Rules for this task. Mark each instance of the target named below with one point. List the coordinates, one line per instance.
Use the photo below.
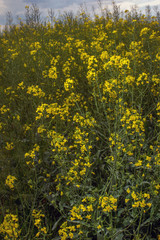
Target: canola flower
(10, 180)
(38, 223)
(9, 146)
(79, 124)
(10, 227)
(108, 203)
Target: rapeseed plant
(10, 227)
(79, 127)
(10, 181)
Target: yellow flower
(134, 196)
(10, 227)
(68, 84)
(53, 72)
(10, 181)
(88, 217)
(149, 204)
(144, 31)
(99, 226)
(90, 208)
(128, 190)
(71, 235)
(139, 163)
(9, 146)
(142, 203)
(136, 204)
(148, 165)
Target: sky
(17, 7)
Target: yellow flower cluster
(52, 110)
(84, 121)
(157, 156)
(69, 84)
(155, 83)
(10, 181)
(38, 223)
(34, 48)
(9, 146)
(81, 106)
(32, 154)
(35, 91)
(109, 88)
(67, 231)
(57, 141)
(4, 109)
(10, 227)
(139, 199)
(133, 125)
(132, 121)
(108, 203)
(117, 62)
(53, 72)
(158, 111)
(144, 31)
(79, 214)
(92, 66)
(142, 79)
(14, 53)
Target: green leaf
(119, 237)
(100, 236)
(56, 224)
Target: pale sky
(17, 7)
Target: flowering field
(79, 129)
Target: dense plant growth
(79, 128)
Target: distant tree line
(33, 16)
